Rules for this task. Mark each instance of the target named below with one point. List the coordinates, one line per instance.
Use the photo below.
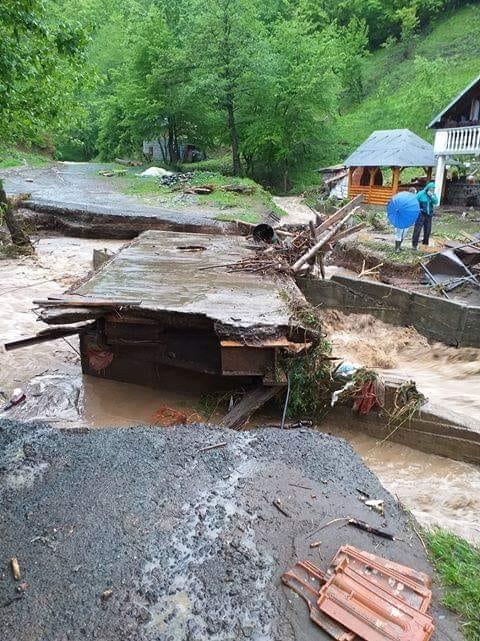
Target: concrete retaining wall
(436, 318)
(433, 429)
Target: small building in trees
(457, 133)
(375, 168)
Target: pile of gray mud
(136, 534)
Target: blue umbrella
(403, 209)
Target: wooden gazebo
(393, 149)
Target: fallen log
(239, 189)
(322, 242)
(128, 163)
(46, 335)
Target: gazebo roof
(393, 148)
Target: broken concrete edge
(438, 319)
(97, 223)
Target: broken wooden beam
(50, 334)
(348, 232)
(353, 204)
(250, 403)
(322, 242)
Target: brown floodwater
(437, 490)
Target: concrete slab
(186, 274)
(72, 197)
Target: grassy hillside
(14, 157)
(406, 85)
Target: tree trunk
(236, 164)
(171, 144)
(285, 176)
(7, 209)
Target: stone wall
(463, 195)
(436, 318)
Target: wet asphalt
(77, 189)
(137, 534)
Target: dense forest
(278, 85)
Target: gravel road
(182, 544)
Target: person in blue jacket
(427, 200)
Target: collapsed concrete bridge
(168, 303)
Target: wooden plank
(250, 403)
(354, 203)
(47, 335)
(322, 242)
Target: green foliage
(40, 62)
(13, 157)
(407, 93)
(310, 382)
(458, 564)
(221, 164)
(249, 207)
(285, 86)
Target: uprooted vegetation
(17, 242)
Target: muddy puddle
(439, 491)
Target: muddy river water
(437, 490)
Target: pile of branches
(276, 258)
(294, 252)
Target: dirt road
(297, 212)
(76, 189)
(115, 512)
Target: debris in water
(167, 417)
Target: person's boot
(414, 248)
(398, 244)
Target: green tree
(40, 60)
(292, 98)
(224, 39)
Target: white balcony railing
(458, 140)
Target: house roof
(392, 148)
(438, 117)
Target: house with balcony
(457, 132)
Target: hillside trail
(297, 213)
